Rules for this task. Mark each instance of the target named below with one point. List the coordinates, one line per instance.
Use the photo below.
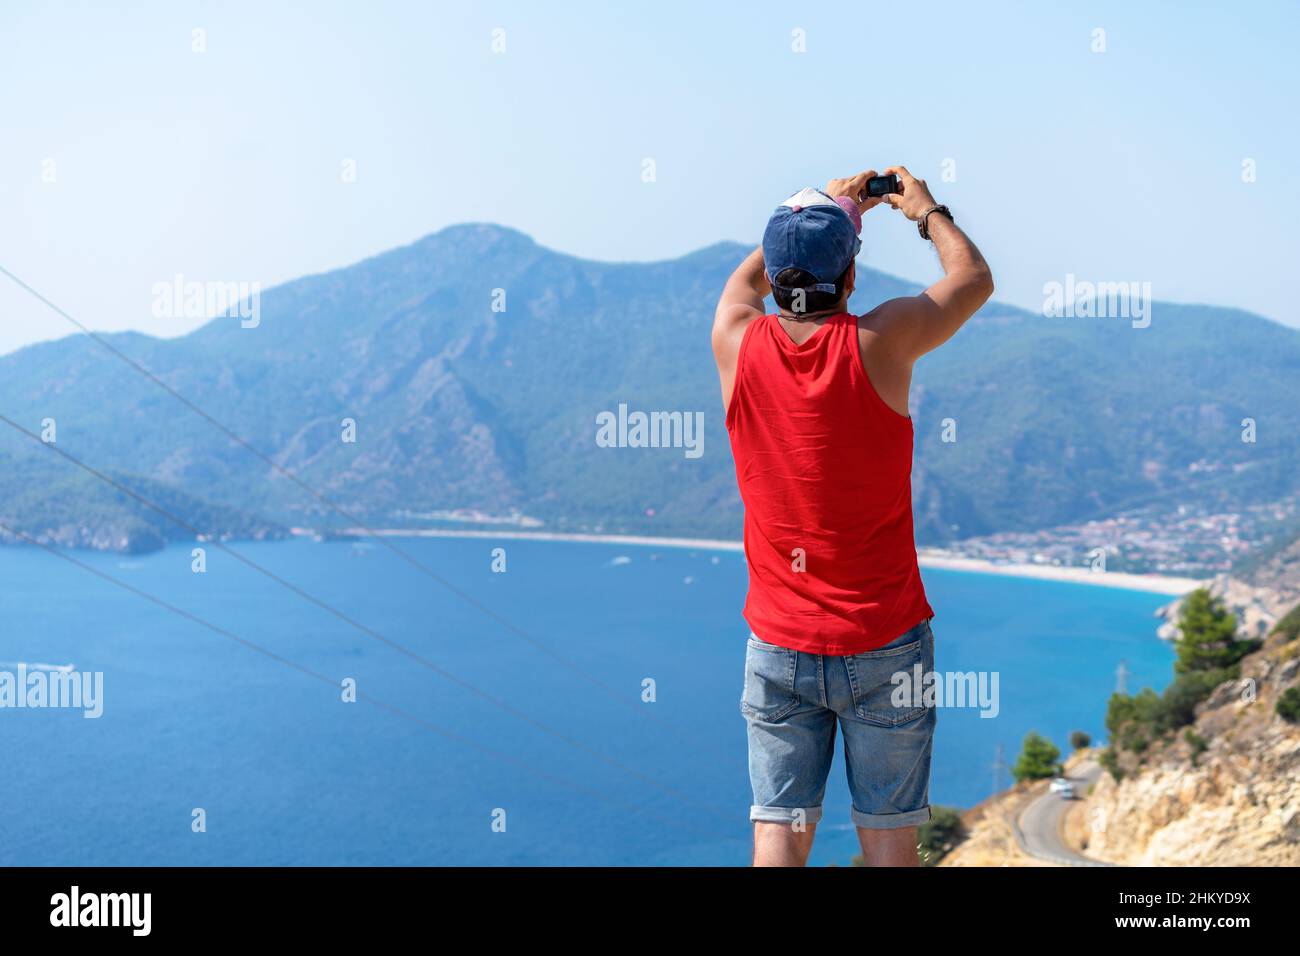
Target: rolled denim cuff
(805, 815)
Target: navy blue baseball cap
(812, 232)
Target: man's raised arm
(914, 325)
(742, 297)
(741, 303)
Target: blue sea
(545, 766)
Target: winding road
(1038, 827)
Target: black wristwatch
(920, 223)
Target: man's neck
(809, 316)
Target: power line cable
(410, 559)
(364, 629)
(334, 684)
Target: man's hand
(910, 326)
(855, 187)
(915, 199)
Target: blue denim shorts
(791, 704)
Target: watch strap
(921, 224)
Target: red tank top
(825, 472)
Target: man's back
(824, 465)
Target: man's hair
(794, 279)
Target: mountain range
(474, 364)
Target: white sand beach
(929, 558)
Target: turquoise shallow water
(288, 774)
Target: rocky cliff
(1258, 592)
(1224, 791)
(1226, 795)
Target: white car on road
(1062, 786)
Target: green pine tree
(1208, 638)
(1037, 759)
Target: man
(816, 408)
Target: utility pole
(999, 764)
